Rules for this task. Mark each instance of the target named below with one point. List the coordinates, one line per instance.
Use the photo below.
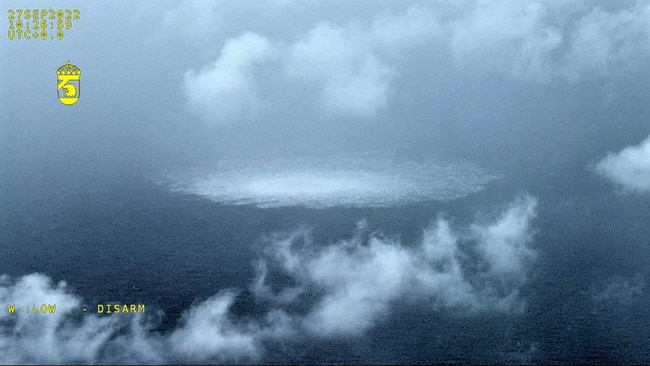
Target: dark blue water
(129, 240)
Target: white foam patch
(319, 183)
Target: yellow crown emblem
(68, 69)
(68, 78)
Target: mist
(411, 79)
(289, 176)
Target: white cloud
(358, 280)
(606, 43)
(535, 40)
(398, 32)
(344, 64)
(504, 242)
(345, 288)
(509, 36)
(348, 64)
(630, 168)
(226, 91)
(54, 338)
(208, 333)
(70, 336)
(618, 291)
(352, 79)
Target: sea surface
(131, 239)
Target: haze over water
(287, 182)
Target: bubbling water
(333, 182)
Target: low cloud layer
(360, 279)
(206, 332)
(352, 67)
(618, 291)
(344, 65)
(349, 78)
(629, 168)
(348, 287)
(225, 91)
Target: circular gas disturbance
(334, 182)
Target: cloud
(338, 289)
(54, 338)
(510, 36)
(226, 91)
(356, 281)
(630, 167)
(350, 76)
(348, 64)
(396, 32)
(618, 291)
(504, 242)
(606, 43)
(538, 41)
(207, 333)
